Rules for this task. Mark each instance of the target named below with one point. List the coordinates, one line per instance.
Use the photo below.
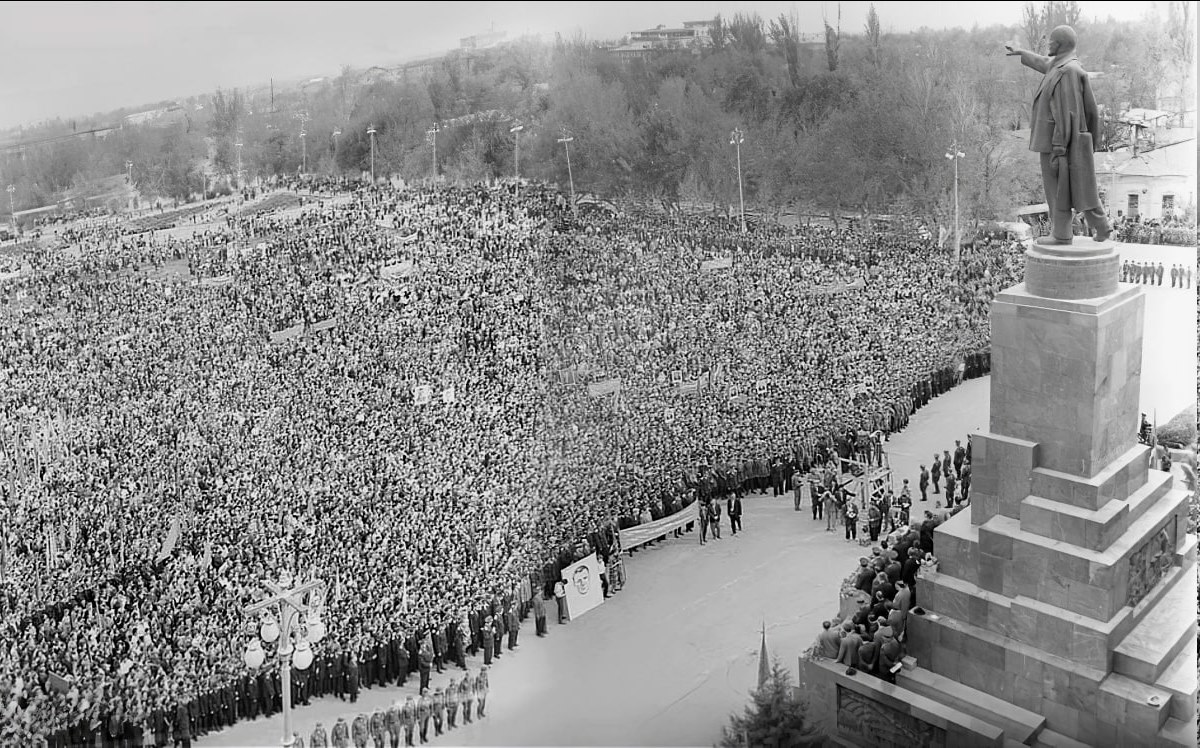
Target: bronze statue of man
(1064, 127)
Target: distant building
(633, 51)
(482, 41)
(165, 114)
(644, 44)
(703, 30)
(1153, 184)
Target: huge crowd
(388, 389)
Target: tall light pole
(238, 145)
(736, 138)
(303, 118)
(129, 171)
(516, 131)
(371, 132)
(290, 615)
(954, 155)
(336, 133)
(566, 141)
(432, 134)
(12, 205)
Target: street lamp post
(290, 615)
(954, 155)
(12, 205)
(336, 133)
(303, 153)
(566, 141)
(516, 131)
(371, 132)
(129, 171)
(238, 145)
(736, 138)
(432, 133)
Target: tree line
(857, 122)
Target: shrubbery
(1180, 431)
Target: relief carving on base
(1151, 562)
(872, 723)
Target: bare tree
(873, 33)
(746, 33)
(1033, 26)
(785, 34)
(833, 39)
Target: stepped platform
(1020, 725)
(1148, 649)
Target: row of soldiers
(381, 727)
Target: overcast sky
(63, 59)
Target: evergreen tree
(774, 718)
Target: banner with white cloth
(584, 591)
(607, 387)
(287, 333)
(632, 537)
(717, 264)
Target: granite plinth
(1066, 376)
(1084, 269)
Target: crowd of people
(1168, 230)
(873, 639)
(394, 390)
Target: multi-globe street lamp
(291, 616)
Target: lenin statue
(1064, 128)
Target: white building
(1153, 184)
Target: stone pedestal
(1067, 591)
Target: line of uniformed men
(411, 717)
